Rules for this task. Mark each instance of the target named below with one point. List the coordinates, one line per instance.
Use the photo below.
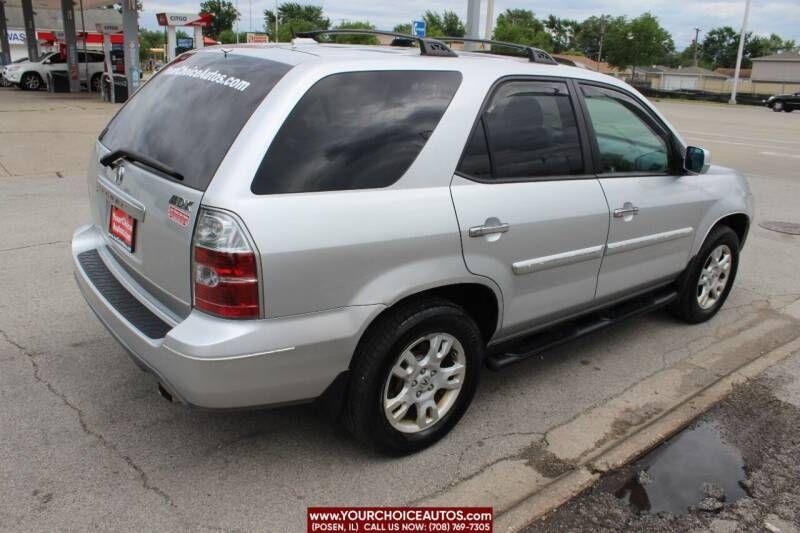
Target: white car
(32, 75)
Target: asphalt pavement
(86, 442)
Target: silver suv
(367, 226)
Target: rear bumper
(216, 363)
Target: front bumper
(216, 363)
(12, 76)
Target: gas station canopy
(56, 4)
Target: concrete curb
(522, 488)
(558, 492)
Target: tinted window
(188, 115)
(531, 131)
(627, 141)
(355, 130)
(475, 161)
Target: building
(744, 73)
(587, 63)
(689, 78)
(777, 68)
(49, 25)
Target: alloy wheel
(32, 82)
(714, 276)
(424, 382)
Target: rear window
(355, 130)
(189, 114)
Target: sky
(680, 17)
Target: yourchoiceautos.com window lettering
(213, 76)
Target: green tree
(593, 31)
(563, 33)
(403, 28)
(764, 46)
(642, 41)
(720, 47)
(293, 18)
(227, 37)
(225, 15)
(355, 39)
(446, 24)
(521, 26)
(149, 39)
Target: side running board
(507, 354)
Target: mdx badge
(178, 211)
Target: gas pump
(114, 71)
(174, 20)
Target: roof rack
(535, 55)
(427, 46)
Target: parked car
(784, 102)
(281, 224)
(3, 81)
(32, 75)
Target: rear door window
(189, 114)
(355, 130)
(528, 130)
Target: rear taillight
(225, 267)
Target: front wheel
(30, 81)
(708, 280)
(413, 376)
(777, 107)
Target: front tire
(777, 107)
(413, 376)
(31, 81)
(708, 280)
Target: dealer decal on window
(213, 76)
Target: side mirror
(698, 160)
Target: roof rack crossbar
(427, 46)
(535, 55)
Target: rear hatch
(157, 156)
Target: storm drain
(781, 227)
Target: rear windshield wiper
(112, 159)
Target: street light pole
(696, 43)
(740, 53)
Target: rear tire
(413, 376)
(94, 84)
(708, 279)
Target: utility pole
(696, 43)
(740, 53)
(473, 23)
(602, 34)
(276, 21)
(489, 19)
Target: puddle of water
(677, 469)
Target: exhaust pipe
(164, 393)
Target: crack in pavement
(24, 246)
(540, 440)
(83, 424)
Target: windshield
(188, 115)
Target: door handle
(477, 231)
(619, 213)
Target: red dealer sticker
(122, 228)
(178, 215)
(400, 519)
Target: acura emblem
(119, 175)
